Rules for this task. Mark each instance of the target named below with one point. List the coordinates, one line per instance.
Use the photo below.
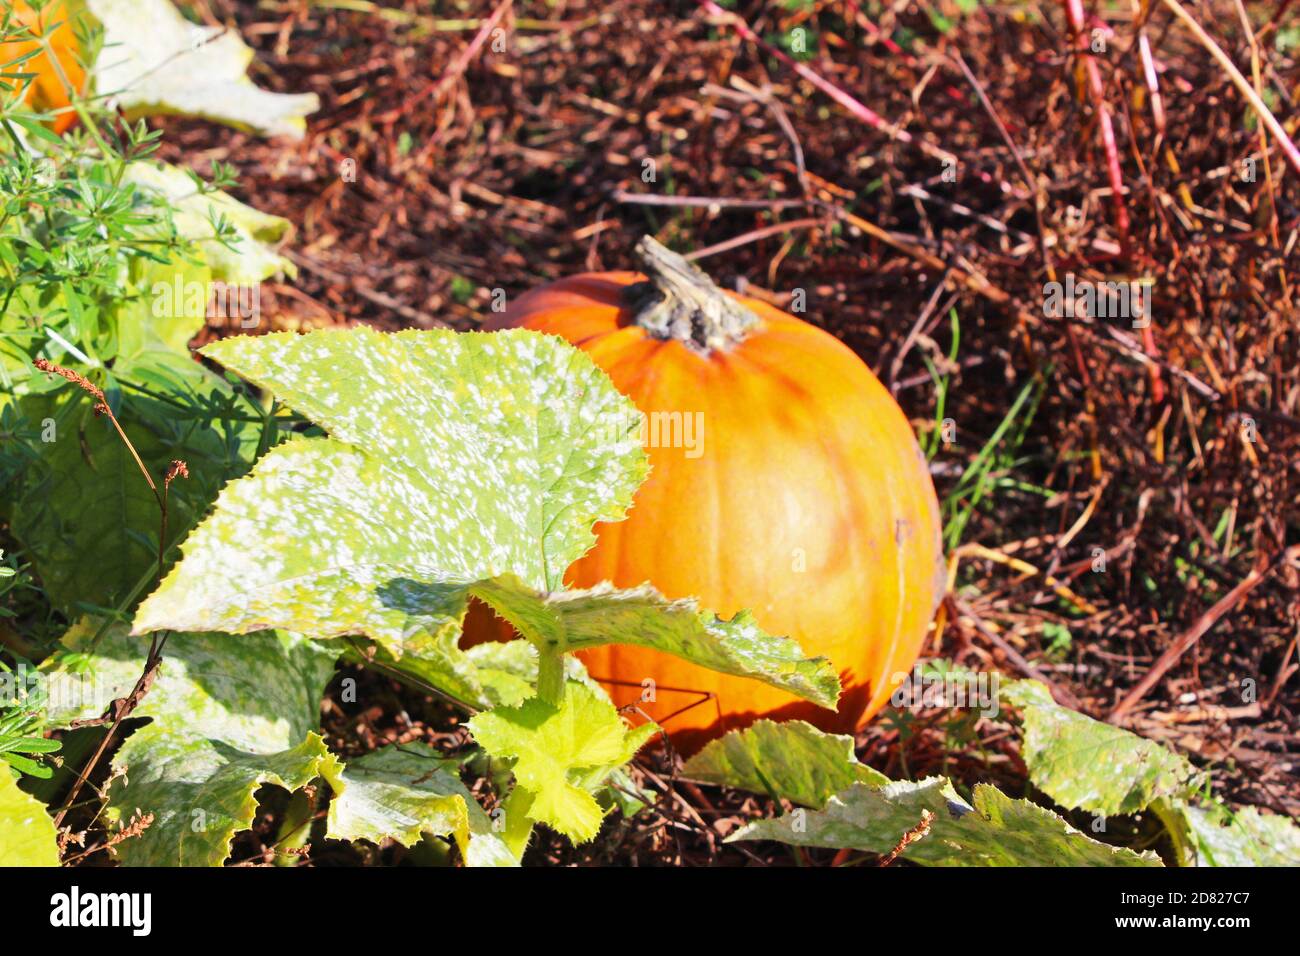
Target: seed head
(77, 379)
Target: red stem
(1074, 12)
(854, 106)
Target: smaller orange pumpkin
(49, 91)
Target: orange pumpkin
(784, 479)
(47, 92)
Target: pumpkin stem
(550, 675)
(678, 301)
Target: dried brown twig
(911, 836)
(122, 707)
(1185, 641)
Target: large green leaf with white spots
(580, 619)
(451, 459)
(791, 760)
(27, 835)
(992, 830)
(1213, 835)
(562, 754)
(226, 715)
(1085, 764)
(402, 792)
(456, 465)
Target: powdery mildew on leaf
(403, 791)
(227, 715)
(995, 831)
(1086, 764)
(201, 792)
(791, 760)
(453, 458)
(1214, 837)
(578, 619)
(456, 464)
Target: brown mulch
(1158, 472)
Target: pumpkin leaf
(403, 791)
(579, 619)
(200, 793)
(479, 677)
(993, 830)
(437, 659)
(452, 458)
(227, 715)
(791, 760)
(555, 748)
(149, 321)
(1086, 764)
(457, 464)
(1213, 835)
(155, 62)
(508, 671)
(27, 834)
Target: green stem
(518, 825)
(295, 828)
(550, 676)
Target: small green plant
(22, 722)
(933, 438)
(993, 468)
(1059, 640)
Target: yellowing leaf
(27, 835)
(154, 61)
(993, 830)
(1213, 835)
(553, 748)
(1086, 764)
(227, 714)
(255, 233)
